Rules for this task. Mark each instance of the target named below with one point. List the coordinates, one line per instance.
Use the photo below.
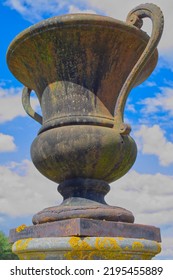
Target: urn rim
(74, 20)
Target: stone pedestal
(86, 248)
(86, 239)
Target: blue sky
(147, 190)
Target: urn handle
(27, 105)
(135, 17)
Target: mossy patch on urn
(83, 151)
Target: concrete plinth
(86, 248)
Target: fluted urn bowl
(77, 65)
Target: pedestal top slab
(86, 227)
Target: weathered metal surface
(87, 227)
(82, 68)
(83, 151)
(83, 198)
(84, 209)
(75, 78)
(78, 83)
(66, 48)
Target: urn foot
(83, 198)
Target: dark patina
(82, 68)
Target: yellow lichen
(78, 243)
(137, 246)
(21, 245)
(159, 248)
(92, 248)
(102, 248)
(107, 243)
(20, 228)
(120, 238)
(21, 249)
(79, 247)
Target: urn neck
(66, 103)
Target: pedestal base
(80, 239)
(86, 248)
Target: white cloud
(24, 191)
(7, 143)
(167, 248)
(162, 102)
(149, 197)
(152, 141)
(17, 5)
(37, 10)
(130, 108)
(149, 84)
(11, 104)
(74, 9)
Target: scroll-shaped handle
(27, 105)
(135, 18)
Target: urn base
(83, 198)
